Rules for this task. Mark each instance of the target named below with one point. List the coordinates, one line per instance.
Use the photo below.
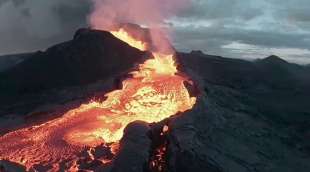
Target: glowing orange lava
(126, 37)
(154, 92)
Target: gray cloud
(253, 37)
(29, 25)
(272, 26)
(221, 9)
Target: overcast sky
(247, 29)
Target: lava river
(154, 92)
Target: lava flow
(154, 92)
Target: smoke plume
(107, 14)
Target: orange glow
(115, 148)
(126, 37)
(160, 65)
(154, 93)
(159, 159)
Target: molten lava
(154, 92)
(126, 37)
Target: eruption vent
(110, 14)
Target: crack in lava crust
(155, 92)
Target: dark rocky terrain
(250, 116)
(7, 61)
(257, 115)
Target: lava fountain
(155, 91)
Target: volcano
(101, 103)
(154, 91)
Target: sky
(247, 29)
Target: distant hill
(273, 59)
(276, 87)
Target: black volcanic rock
(6, 166)
(7, 61)
(134, 149)
(217, 138)
(257, 113)
(92, 55)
